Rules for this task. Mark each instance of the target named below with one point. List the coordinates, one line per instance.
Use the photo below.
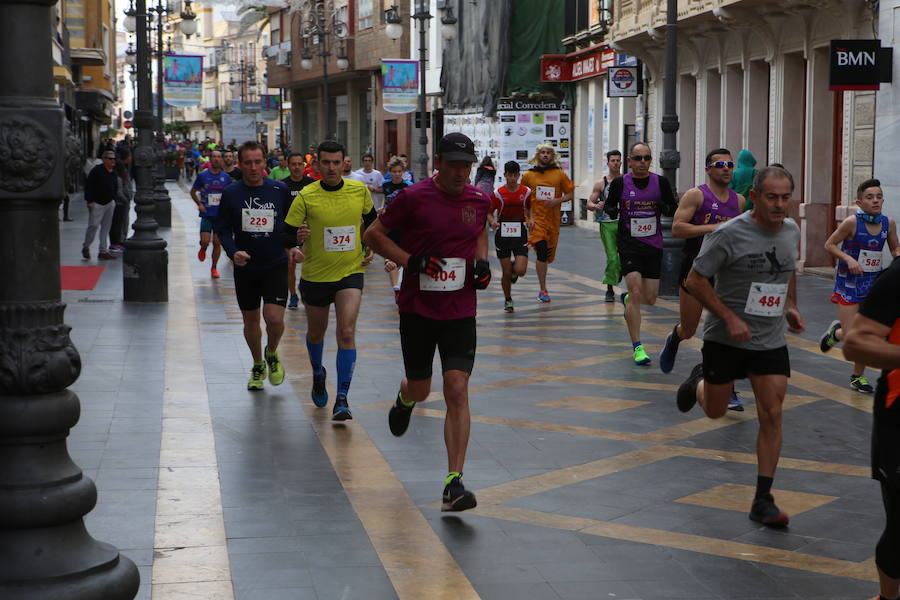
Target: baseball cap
(456, 146)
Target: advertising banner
(623, 82)
(859, 65)
(400, 85)
(269, 106)
(183, 80)
(238, 128)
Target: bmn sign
(859, 65)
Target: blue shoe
(543, 296)
(341, 410)
(319, 393)
(735, 403)
(294, 301)
(669, 351)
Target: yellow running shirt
(334, 248)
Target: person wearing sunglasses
(100, 191)
(638, 198)
(701, 210)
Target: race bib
(766, 299)
(643, 227)
(340, 239)
(258, 220)
(510, 230)
(452, 278)
(544, 192)
(213, 199)
(870, 261)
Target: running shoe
(610, 296)
(85, 253)
(116, 248)
(543, 296)
(106, 256)
(319, 393)
(735, 403)
(399, 415)
(276, 370)
(763, 510)
(513, 278)
(294, 302)
(669, 351)
(640, 356)
(201, 254)
(214, 273)
(508, 306)
(861, 384)
(457, 497)
(687, 391)
(341, 410)
(257, 377)
(829, 339)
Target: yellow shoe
(257, 377)
(276, 371)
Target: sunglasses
(647, 157)
(721, 163)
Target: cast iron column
(422, 15)
(163, 201)
(145, 272)
(45, 550)
(670, 159)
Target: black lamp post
(163, 201)
(45, 549)
(670, 158)
(319, 22)
(145, 269)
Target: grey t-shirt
(752, 267)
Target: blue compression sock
(635, 345)
(315, 355)
(346, 361)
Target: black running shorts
(648, 262)
(317, 293)
(270, 285)
(507, 247)
(454, 339)
(723, 363)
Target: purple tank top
(639, 211)
(712, 211)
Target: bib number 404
(444, 276)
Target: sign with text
(859, 65)
(400, 85)
(182, 80)
(623, 82)
(576, 66)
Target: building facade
(754, 74)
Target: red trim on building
(556, 68)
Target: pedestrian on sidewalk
(609, 227)
(118, 232)
(100, 194)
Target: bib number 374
(766, 299)
(340, 239)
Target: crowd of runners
(739, 256)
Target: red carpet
(79, 278)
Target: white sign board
(238, 128)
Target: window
(366, 14)
(275, 27)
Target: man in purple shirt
(440, 224)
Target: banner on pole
(238, 128)
(400, 85)
(183, 80)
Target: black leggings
(541, 251)
(887, 552)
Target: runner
(230, 167)
(862, 237)
(550, 187)
(281, 170)
(296, 182)
(373, 180)
(873, 339)
(251, 226)
(752, 257)
(511, 204)
(609, 227)
(443, 247)
(640, 196)
(390, 189)
(701, 210)
(207, 194)
(328, 213)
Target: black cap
(456, 146)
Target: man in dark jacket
(100, 195)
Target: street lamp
(145, 269)
(394, 29)
(422, 16)
(188, 23)
(129, 22)
(319, 22)
(448, 24)
(130, 55)
(45, 547)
